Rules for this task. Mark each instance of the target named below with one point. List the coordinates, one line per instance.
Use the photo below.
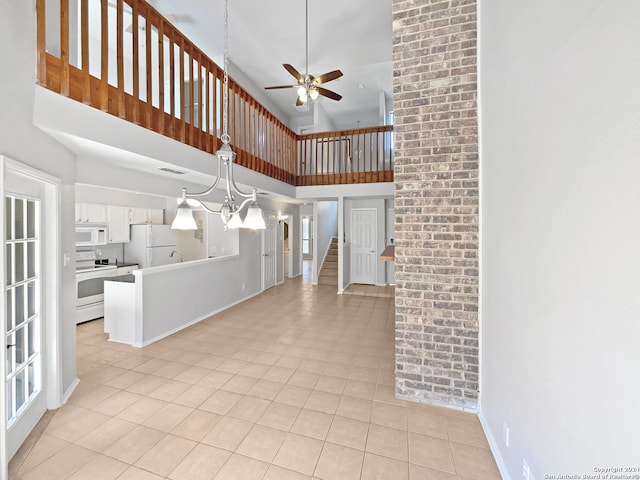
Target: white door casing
(269, 237)
(364, 249)
(30, 364)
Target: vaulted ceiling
(353, 36)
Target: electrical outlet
(242, 285)
(505, 433)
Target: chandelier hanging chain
(225, 94)
(229, 212)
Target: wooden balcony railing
(124, 58)
(364, 155)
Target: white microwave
(87, 236)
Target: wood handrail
(160, 80)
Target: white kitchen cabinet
(118, 224)
(91, 213)
(154, 216)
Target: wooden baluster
(161, 75)
(149, 70)
(197, 102)
(214, 108)
(371, 149)
(84, 45)
(135, 45)
(41, 41)
(172, 87)
(64, 47)
(209, 143)
(191, 99)
(182, 99)
(104, 55)
(120, 56)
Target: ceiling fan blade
(327, 77)
(328, 93)
(299, 102)
(294, 72)
(281, 86)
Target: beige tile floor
(294, 384)
(386, 291)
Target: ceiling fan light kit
(308, 85)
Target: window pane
(19, 220)
(19, 305)
(31, 339)
(10, 399)
(31, 219)
(11, 364)
(305, 246)
(31, 299)
(32, 379)
(19, 348)
(9, 312)
(20, 397)
(31, 259)
(19, 262)
(9, 261)
(8, 217)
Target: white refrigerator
(151, 246)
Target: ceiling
(353, 36)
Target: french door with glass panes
(25, 401)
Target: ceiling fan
(308, 86)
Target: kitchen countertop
(120, 264)
(121, 278)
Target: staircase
(329, 271)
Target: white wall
(174, 296)
(321, 121)
(22, 141)
(109, 196)
(560, 305)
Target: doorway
(364, 258)
(307, 238)
(269, 237)
(29, 301)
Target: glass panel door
(22, 294)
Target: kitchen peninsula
(158, 301)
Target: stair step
(328, 281)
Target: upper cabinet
(91, 213)
(154, 216)
(118, 224)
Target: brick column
(436, 200)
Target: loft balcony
(124, 58)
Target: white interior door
(364, 249)
(24, 387)
(269, 251)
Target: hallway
(296, 383)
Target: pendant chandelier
(229, 211)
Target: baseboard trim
(493, 446)
(69, 391)
(196, 320)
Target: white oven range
(90, 279)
